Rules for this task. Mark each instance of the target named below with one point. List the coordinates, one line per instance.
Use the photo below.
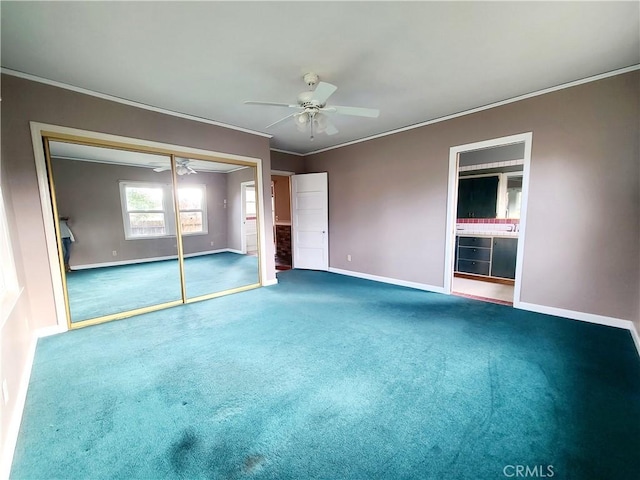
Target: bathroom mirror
(514, 196)
(490, 182)
(490, 193)
(117, 229)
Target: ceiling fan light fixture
(312, 105)
(182, 170)
(302, 118)
(320, 123)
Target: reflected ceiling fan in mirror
(312, 108)
(182, 167)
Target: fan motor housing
(310, 79)
(306, 99)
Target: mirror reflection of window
(251, 202)
(145, 211)
(193, 209)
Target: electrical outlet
(114, 253)
(5, 391)
(212, 244)
(348, 258)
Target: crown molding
(562, 86)
(574, 83)
(104, 96)
(288, 152)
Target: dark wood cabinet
(488, 256)
(477, 197)
(475, 242)
(503, 262)
(474, 255)
(475, 267)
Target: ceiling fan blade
(278, 121)
(330, 128)
(272, 104)
(323, 91)
(190, 170)
(161, 169)
(357, 111)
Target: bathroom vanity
(486, 255)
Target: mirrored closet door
(212, 224)
(123, 248)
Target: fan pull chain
(311, 122)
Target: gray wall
(388, 197)
(287, 162)
(15, 333)
(89, 193)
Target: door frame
(452, 200)
(40, 130)
(286, 173)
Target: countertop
(487, 230)
(467, 233)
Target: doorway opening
(488, 185)
(249, 219)
(281, 207)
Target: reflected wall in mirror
(214, 226)
(119, 236)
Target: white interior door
(249, 219)
(310, 221)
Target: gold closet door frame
(46, 136)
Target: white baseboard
(268, 283)
(584, 317)
(392, 281)
(206, 252)
(151, 259)
(233, 250)
(11, 439)
(53, 330)
(558, 312)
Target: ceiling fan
(182, 167)
(312, 107)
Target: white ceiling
(415, 61)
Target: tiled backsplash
(508, 227)
(514, 221)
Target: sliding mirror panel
(218, 220)
(117, 229)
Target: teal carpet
(329, 377)
(103, 291)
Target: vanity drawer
(473, 266)
(474, 253)
(475, 242)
